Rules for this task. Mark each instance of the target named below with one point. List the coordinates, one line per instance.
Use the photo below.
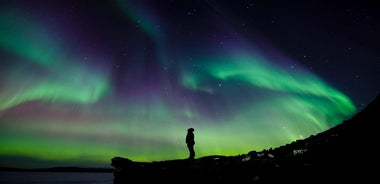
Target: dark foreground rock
(344, 153)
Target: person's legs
(191, 151)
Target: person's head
(190, 129)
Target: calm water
(55, 177)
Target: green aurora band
(54, 107)
(33, 44)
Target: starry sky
(84, 81)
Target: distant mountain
(344, 153)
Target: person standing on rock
(190, 142)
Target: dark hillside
(344, 153)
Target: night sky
(84, 81)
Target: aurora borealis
(84, 81)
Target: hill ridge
(330, 152)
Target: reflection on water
(55, 177)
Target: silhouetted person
(190, 142)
